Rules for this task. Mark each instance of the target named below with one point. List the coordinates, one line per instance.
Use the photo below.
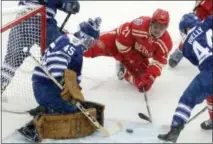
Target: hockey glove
(136, 69)
(145, 81)
(71, 87)
(69, 6)
(134, 63)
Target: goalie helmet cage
(27, 27)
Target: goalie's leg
(63, 119)
(48, 95)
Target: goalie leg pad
(67, 126)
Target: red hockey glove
(136, 69)
(145, 81)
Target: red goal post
(42, 11)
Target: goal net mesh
(22, 26)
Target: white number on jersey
(203, 52)
(69, 49)
(209, 37)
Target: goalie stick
(104, 131)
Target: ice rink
(123, 101)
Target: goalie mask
(89, 32)
(159, 23)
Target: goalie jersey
(65, 52)
(197, 47)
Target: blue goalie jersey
(64, 53)
(197, 47)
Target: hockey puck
(129, 130)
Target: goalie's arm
(57, 58)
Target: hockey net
(22, 26)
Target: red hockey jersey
(204, 9)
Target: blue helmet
(188, 21)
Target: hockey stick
(104, 131)
(65, 21)
(14, 112)
(143, 116)
(197, 4)
(195, 116)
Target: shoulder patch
(138, 21)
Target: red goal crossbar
(42, 11)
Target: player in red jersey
(141, 46)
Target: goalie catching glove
(71, 88)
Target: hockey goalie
(60, 118)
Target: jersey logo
(143, 50)
(138, 21)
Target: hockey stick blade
(99, 127)
(112, 130)
(115, 129)
(143, 116)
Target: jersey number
(69, 50)
(203, 52)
